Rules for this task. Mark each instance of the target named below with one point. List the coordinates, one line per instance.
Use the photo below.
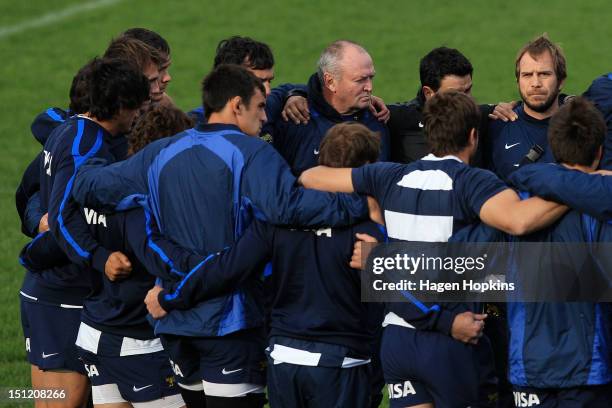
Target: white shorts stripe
(295, 356)
(88, 338)
(231, 390)
(25, 295)
(106, 394)
(65, 306)
(132, 347)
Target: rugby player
(425, 347)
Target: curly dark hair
(79, 89)
(244, 51)
(440, 62)
(114, 85)
(157, 122)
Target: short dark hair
(349, 144)
(226, 82)
(151, 38)
(576, 132)
(244, 51)
(79, 89)
(114, 85)
(440, 62)
(539, 46)
(157, 122)
(449, 118)
(134, 51)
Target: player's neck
(464, 156)
(224, 117)
(542, 115)
(108, 125)
(579, 167)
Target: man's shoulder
(407, 115)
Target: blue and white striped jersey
(427, 201)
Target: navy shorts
(595, 396)
(424, 366)
(140, 377)
(291, 385)
(232, 359)
(49, 345)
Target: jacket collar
(317, 102)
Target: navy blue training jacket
(600, 93)
(315, 295)
(66, 149)
(509, 142)
(299, 144)
(203, 187)
(556, 345)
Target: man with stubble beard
(540, 74)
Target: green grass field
(40, 58)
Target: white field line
(54, 17)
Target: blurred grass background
(38, 63)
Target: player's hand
(503, 111)
(152, 302)
(296, 110)
(43, 224)
(374, 211)
(603, 172)
(360, 251)
(117, 266)
(468, 327)
(379, 109)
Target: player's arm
(160, 256)
(42, 253)
(287, 101)
(34, 220)
(328, 179)
(220, 273)
(507, 212)
(115, 187)
(27, 198)
(66, 221)
(589, 193)
(283, 203)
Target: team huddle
(212, 258)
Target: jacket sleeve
(275, 102)
(218, 273)
(66, 222)
(589, 193)
(160, 256)
(270, 186)
(28, 206)
(42, 253)
(32, 216)
(385, 145)
(115, 187)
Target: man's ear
(598, 157)
(236, 105)
(428, 92)
(474, 137)
(329, 81)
